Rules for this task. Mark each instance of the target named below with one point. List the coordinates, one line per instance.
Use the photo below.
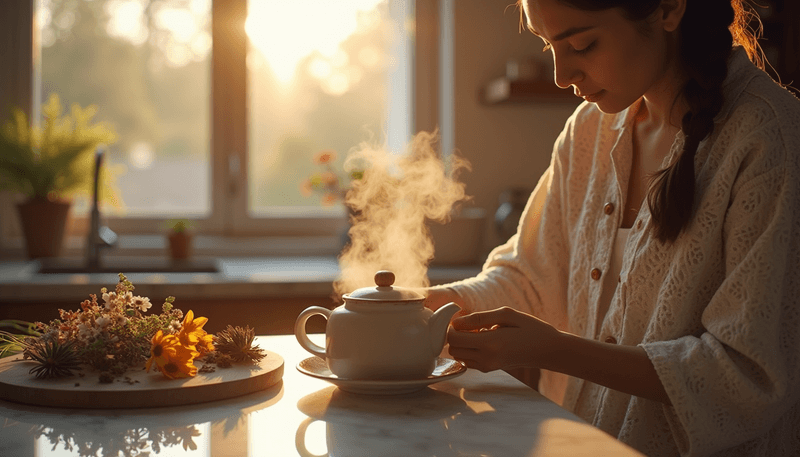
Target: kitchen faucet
(99, 236)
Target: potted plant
(331, 185)
(180, 239)
(48, 165)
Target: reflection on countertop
(488, 414)
(237, 277)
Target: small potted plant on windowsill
(180, 239)
(49, 165)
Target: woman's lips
(593, 98)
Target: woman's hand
(505, 338)
(500, 339)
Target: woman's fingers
(478, 350)
(468, 356)
(466, 338)
(500, 338)
(463, 354)
(485, 320)
(474, 321)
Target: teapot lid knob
(384, 278)
(385, 292)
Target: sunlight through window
(288, 32)
(320, 78)
(149, 76)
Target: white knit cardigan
(717, 311)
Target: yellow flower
(193, 336)
(162, 346)
(206, 343)
(174, 354)
(171, 358)
(181, 364)
(192, 329)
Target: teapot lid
(384, 290)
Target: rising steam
(391, 204)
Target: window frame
(228, 117)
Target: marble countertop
(237, 277)
(491, 415)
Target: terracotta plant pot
(180, 245)
(43, 223)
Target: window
(146, 66)
(220, 105)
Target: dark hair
(708, 31)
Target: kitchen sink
(155, 264)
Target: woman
(653, 277)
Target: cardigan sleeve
(734, 380)
(531, 268)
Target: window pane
(318, 80)
(146, 65)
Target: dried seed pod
(53, 359)
(237, 343)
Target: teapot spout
(438, 324)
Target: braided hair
(672, 189)
(708, 30)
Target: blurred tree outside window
(146, 66)
(318, 78)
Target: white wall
(507, 144)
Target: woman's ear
(671, 12)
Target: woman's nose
(565, 72)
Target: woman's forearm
(623, 368)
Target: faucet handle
(106, 236)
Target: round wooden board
(137, 388)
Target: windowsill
(237, 278)
(204, 245)
(459, 242)
(254, 267)
(248, 267)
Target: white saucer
(445, 369)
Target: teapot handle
(300, 329)
(300, 438)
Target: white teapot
(380, 333)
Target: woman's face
(605, 57)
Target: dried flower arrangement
(117, 335)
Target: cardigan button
(608, 208)
(611, 340)
(596, 274)
(639, 225)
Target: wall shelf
(504, 90)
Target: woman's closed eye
(585, 50)
(582, 51)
